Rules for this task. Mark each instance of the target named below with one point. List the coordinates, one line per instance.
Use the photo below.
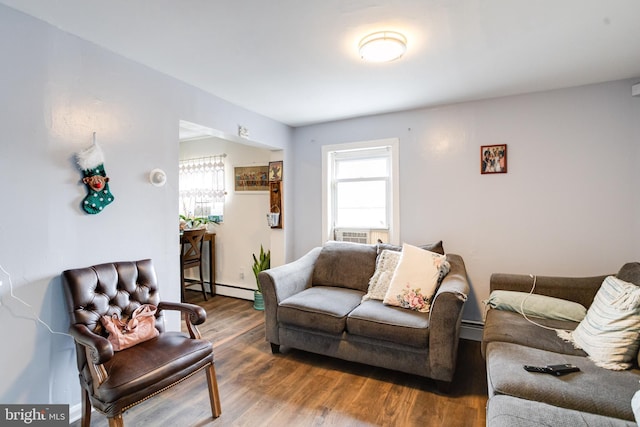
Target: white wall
(567, 206)
(55, 90)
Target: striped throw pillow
(609, 332)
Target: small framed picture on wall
(275, 171)
(251, 178)
(493, 158)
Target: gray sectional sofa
(592, 397)
(315, 304)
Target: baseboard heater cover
(471, 330)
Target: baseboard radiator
(471, 330)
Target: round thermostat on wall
(158, 177)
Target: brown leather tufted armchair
(113, 382)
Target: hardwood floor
(296, 388)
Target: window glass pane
(198, 208)
(361, 204)
(201, 186)
(362, 168)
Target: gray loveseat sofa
(315, 304)
(592, 397)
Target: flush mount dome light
(383, 46)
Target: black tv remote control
(562, 369)
(556, 370)
(540, 369)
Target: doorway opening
(243, 226)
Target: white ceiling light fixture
(382, 46)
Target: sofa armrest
(279, 283)
(577, 289)
(446, 318)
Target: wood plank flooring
(296, 388)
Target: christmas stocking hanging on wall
(91, 161)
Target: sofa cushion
(535, 305)
(373, 319)
(416, 278)
(431, 247)
(507, 326)
(507, 411)
(610, 331)
(345, 265)
(323, 308)
(593, 389)
(630, 272)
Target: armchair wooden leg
(86, 409)
(214, 396)
(116, 421)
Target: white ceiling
(296, 61)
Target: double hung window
(360, 192)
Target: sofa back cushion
(630, 272)
(346, 265)
(436, 247)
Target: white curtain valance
(201, 180)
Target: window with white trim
(360, 191)
(202, 187)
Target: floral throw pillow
(416, 279)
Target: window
(202, 187)
(360, 191)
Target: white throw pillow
(416, 278)
(609, 332)
(385, 267)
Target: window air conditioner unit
(355, 236)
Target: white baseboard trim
(471, 330)
(229, 291)
(75, 413)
